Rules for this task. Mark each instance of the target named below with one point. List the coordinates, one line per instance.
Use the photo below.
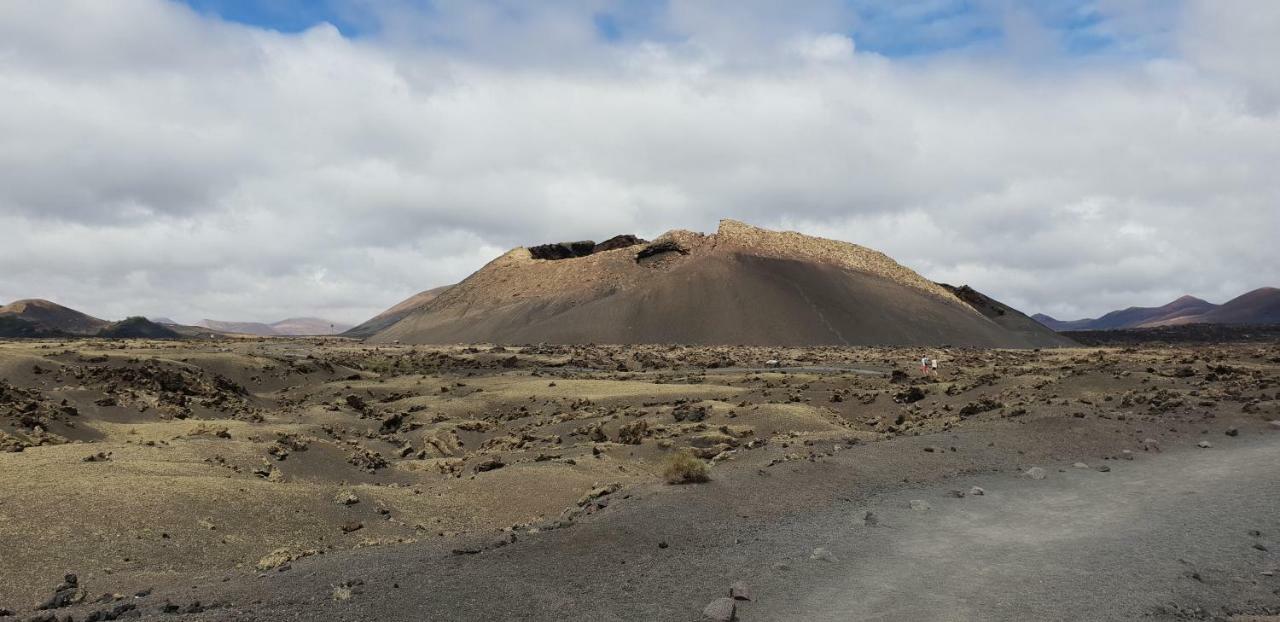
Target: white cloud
(156, 161)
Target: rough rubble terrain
(306, 478)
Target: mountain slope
(1007, 317)
(396, 313)
(1134, 317)
(297, 326)
(741, 285)
(1260, 306)
(137, 328)
(54, 317)
(243, 328)
(1061, 325)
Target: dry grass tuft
(683, 468)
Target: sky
(243, 160)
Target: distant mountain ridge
(291, 327)
(51, 316)
(34, 317)
(1260, 306)
(42, 318)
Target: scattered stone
(370, 461)
(352, 526)
(1233, 432)
(1036, 473)
(66, 594)
(1275, 425)
(870, 519)
(114, 613)
(977, 491)
(1150, 444)
(1104, 469)
(909, 395)
(821, 554)
(1204, 444)
(720, 610)
(1126, 454)
(347, 590)
(1080, 465)
(346, 497)
(490, 465)
(282, 556)
(920, 505)
(739, 591)
(598, 492)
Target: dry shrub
(683, 468)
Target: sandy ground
(1168, 536)
(296, 479)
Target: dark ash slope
(736, 287)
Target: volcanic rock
(720, 610)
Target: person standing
(934, 364)
(924, 365)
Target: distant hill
(243, 328)
(289, 327)
(41, 318)
(741, 285)
(1061, 325)
(137, 328)
(309, 326)
(53, 317)
(395, 314)
(1260, 306)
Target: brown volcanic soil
(146, 464)
(742, 285)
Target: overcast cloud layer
(158, 160)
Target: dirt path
(1079, 545)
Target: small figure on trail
(924, 365)
(934, 363)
